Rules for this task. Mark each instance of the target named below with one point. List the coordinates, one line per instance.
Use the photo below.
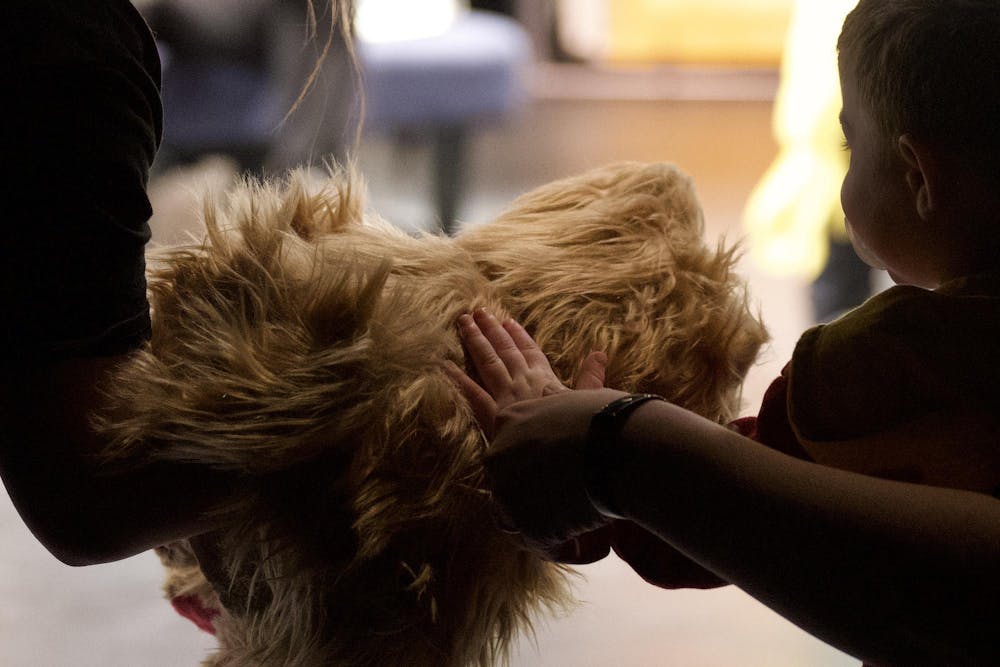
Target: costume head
(302, 347)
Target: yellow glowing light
(791, 212)
(697, 31)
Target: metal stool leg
(450, 154)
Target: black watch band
(601, 452)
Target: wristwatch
(601, 455)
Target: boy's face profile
(879, 206)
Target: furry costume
(302, 346)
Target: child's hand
(514, 371)
(511, 367)
(538, 471)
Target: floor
(112, 615)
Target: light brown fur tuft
(303, 346)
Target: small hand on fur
(511, 367)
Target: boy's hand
(513, 369)
(537, 467)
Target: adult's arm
(81, 512)
(890, 572)
(78, 132)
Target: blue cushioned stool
(445, 86)
(216, 107)
(442, 87)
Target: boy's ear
(923, 174)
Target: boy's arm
(81, 512)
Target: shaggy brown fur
(303, 347)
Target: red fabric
(192, 608)
(771, 426)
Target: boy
(921, 200)
(921, 97)
(894, 572)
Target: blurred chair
(444, 87)
(217, 106)
(220, 99)
(232, 69)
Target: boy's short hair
(930, 68)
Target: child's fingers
(591, 372)
(484, 408)
(491, 368)
(503, 345)
(525, 343)
(509, 363)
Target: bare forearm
(82, 512)
(893, 573)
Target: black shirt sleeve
(79, 128)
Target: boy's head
(921, 101)
(930, 69)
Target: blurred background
(466, 106)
